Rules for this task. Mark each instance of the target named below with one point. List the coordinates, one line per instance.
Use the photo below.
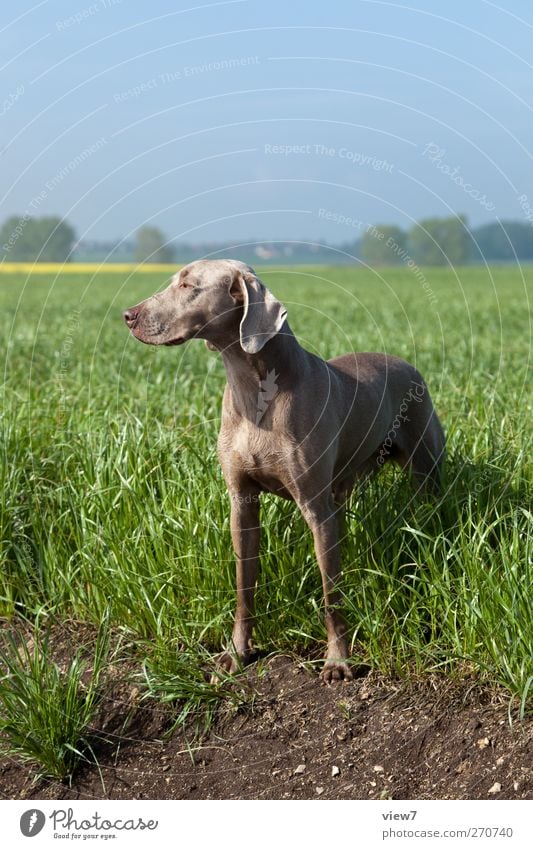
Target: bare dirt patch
(296, 738)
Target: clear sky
(271, 120)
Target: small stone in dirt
(319, 791)
(299, 769)
(335, 771)
(496, 787)
(379, 768)
(500, 761)
(483, 742)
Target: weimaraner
(292, 424)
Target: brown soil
(297, 738)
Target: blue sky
(242, 120)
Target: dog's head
(219, 300)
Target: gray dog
(292, 424)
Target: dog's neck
(255, 380)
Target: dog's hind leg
(322, 519)
(420, 445)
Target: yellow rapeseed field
(81, 267)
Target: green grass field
(114, 506)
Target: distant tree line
(443, 241)
(432, 241)
(30, 239)
(26, 239)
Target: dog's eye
(185, 285)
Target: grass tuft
(45, 711)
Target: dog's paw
(226, 664)
(336, 670)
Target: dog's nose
(130, 316)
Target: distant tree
(504, 241)
(151, 246)
(438, 241)
(384, 244)
(25, 239)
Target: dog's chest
(256, 450)
(257, 453)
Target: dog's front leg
(322, 520)
(245, 537)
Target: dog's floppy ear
(263, 314)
